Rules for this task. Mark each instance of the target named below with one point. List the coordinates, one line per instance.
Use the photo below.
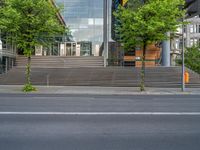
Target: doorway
(70, 49)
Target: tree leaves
(192, 58)
(29, 21)
(149, 21)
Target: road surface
(84, 122)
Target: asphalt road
(69, 122)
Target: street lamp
(105, 31)
(1, 48)
(183, 59)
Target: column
(166, 52)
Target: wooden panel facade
(152, 55)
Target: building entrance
(83, 48)
(71, 49)
(76, 49)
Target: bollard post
(186, 77)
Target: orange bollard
(186, 77)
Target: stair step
(99, 76)
(60, 62)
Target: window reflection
(85, 19)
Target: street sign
(124, 2)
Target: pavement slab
(95, 90)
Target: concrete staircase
(60, 62)
(99, 76)
(169, 77)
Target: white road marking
(103, 113)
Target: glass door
(71, 49)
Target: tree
(147, 24)
(29, 23)
(192, 58)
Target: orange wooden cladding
(152, 54)
(129, 58)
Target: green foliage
(29, 23)
(134, 4)
(28, 88)
(192, 58)
(147, 23)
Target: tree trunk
(28, 71)
(142, 84)
(28, 87)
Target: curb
(89, 90)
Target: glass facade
(85, 21)
(115, 22)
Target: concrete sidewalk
(93, 90)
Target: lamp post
(1, 48)
(105, 31)
(183, 59)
